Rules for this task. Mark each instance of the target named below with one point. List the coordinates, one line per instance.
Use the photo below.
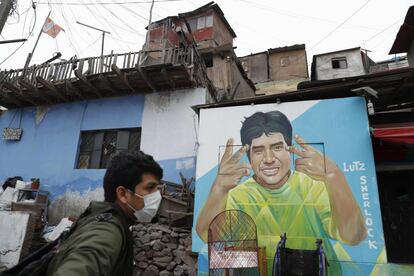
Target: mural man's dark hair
(269, 122)
(126, 169)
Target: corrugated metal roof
(405, 35)
(287, 48)
(327, 89)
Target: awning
(395, 133)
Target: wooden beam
(107, 83)
(18, 93)
(72, 89)
(145, 77)
(51, 87)
(85, 81)
(233, 94)
(9, 98)
(12, 87)
(35, 90)
(122, 76)
(168, 78)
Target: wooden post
(29, 57)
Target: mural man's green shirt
(300, 208)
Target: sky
(322, 25)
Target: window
(284, 61)
(201, 22)
(209, 21)
(193, 24)
(208, 60)
(98, 146)
(339, 63)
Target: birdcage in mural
(232, 245)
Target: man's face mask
(151, 204)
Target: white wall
(326, 72)
(169, 124)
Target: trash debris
(53, 232)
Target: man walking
(100, 242)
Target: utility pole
(97, 29)
(29, 57)
(5, 8)
(147, 42)
(13, 40)
(103, 38)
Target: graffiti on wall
(304, 168)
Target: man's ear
(122, 194)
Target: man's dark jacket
(100, 244)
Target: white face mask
(151, 204)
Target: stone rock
(178, 271)
(166, 259)
(174, 235)
(177, 253)
(165, 273)
(188, 241)
(181, 230)
(172, 245)
(159, 254)
(151, 270)
(145, 247)
(142, 265)
(150, 254)
(171, 266)
(137, 272)
(137, 243)
(188, 260)
(158, 245)
(182, 235)
(162, 228)
(178, 260)
(141, 257)
(156, 235)
(145, 239)
(174, 240)
(165, 239)
(161, 265)
(166, 251)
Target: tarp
(396, 133)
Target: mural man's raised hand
(231, 170)
(311, 161)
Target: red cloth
(397, 134)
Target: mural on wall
(303, 168)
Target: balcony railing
(64, 70)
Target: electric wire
(30, 33)
(106, 23)
(69, 35)
(107, 3)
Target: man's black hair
(126, 169)
(267, 123)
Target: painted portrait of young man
(311, 199)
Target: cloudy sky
(322, 25)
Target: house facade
(340, 64)
(277, 70)
(208, 30)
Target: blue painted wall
(49, 150)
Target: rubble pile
(163, 250)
